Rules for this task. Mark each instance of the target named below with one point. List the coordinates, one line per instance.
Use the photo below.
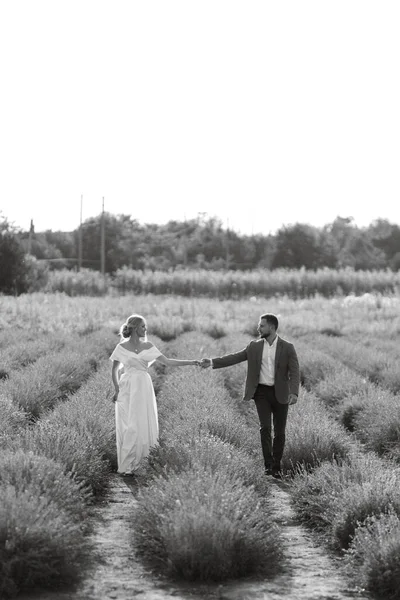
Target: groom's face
(264, 328)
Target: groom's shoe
(268, 471)
(277, 473)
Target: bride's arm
(115, 374)
(174, 362)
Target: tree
(360, 253)
(386, 237)
(355, 247)
(297, 246)
(12, 261)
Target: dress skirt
(136, 419)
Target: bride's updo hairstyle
(130, 325)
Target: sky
(260, 113)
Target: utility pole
(103, 243)
(80, 238)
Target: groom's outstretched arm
(229, 359)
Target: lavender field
(219, 514)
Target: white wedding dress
(136, 418)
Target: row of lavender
(57, 448)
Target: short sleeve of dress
(117, 354)
(153, 353)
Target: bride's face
(142, 329)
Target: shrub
(23, 352)
(215, 330)
(43, 477)
(51, 379)
(201, 404)
(37, 273)
(40, 387)
(370, 363)
(201, 526)
(314, 365)
(91, 413)
(338, 386)
(377, 424)
(170, 327)
(11, 419)
(193, 344)
(177, 453)
(40, 546)
(390, 376)
(362, 500)
(373, 558)
(73, 449)
(312, 436)
(349, 412)
(337, 496)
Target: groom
(272, 380)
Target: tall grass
(226, 284)
(83, 283)
(236, 284)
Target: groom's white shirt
(267, 371)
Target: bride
(135, 403)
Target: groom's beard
(265, 336)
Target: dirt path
(310, 575)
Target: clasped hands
(204, 363)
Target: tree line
(198, 243)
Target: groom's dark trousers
(268, 409)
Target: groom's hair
(271, 319)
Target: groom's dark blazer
(287, 375)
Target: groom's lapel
(278, 352)
(259, 353)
